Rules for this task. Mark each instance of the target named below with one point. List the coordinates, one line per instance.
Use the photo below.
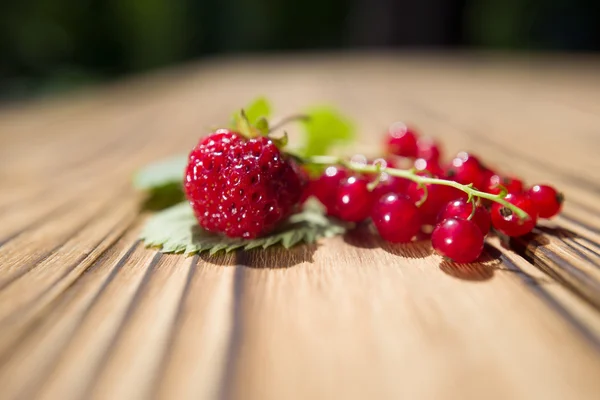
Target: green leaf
(262, 125)
(257, 109)
(175, 230)
(324, 129)
(163, 181)
(165, 196)
(161, 173)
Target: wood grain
(87, 312)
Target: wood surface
(86, 312)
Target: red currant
(428, 149)
(486, 176)
(325, 188)
(390, 184)
(507, 222)
(486, 170)
(546, 199)
(386, 182)
(466, 168)
(512, 184)
(458, 239)
(453, 193)
(354, 200)
(401, 140)
(396, 218)
(431, 166)
(462, 209)
(437, 197)
(391, 161)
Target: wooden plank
(87, 312)
(370, 322)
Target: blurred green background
(50, 46)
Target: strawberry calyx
(245, 128)
(261, 127)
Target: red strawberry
(240, 187)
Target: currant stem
(372, 185)
(411, 175)
(473, 208)
(287, 120)
(424, 197)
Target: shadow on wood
(506, 265)
(365, 238)
(362, 237)
(419, 249)
(479, 271)
(221, 259)
(277, 257)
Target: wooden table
(87, 312)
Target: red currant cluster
(461, 199)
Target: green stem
(411, 175)
(287, 120)
(473, 208)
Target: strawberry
(240, 187)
